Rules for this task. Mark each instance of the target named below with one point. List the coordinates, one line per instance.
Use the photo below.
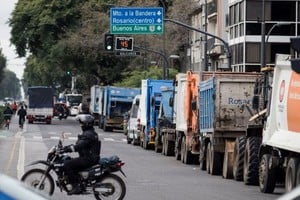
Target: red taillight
(120, 164)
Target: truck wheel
(290, 175)
(169, 149)
(157, 145)
(163, 148)
(177, 148)
(186, 155)
(251, 161)
(298, 175)
(208, 158)
(215, 163)
(238, 155)
(267, 176)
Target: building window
(242, 11)
(253, 52)
(253, 10)
(252, 68)
(283, 11)
(253, 29)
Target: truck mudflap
(152, 136)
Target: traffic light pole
(227, 49)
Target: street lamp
(275, 25)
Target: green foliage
(133, 78)
(10, 86)
(63, 36)
(2, 64)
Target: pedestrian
(22, 114)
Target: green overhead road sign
(136, 20)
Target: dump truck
(187, 129)
(115, 103)
(225, 107)
(279, 152)
(40, 104)
(149, 105)
(165, 126)
(179, 115)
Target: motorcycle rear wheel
(112, 182)
(32, 178)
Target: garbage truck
(279, 152)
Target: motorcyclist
(8, 112)
(21, 113)
(88, 146)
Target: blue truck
(149, 105)
(165, 126)
(114, 104)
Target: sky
(14, 63)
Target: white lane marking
(54, 138)
(3, 136)
(108, 139)
(21, 160)
(72, 138)
(37, 137)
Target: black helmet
(85, 120)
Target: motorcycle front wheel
(109, 187)
(34, 176)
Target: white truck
(279, 152)
(40, 104)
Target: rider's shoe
(76, 189)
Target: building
(255, 35)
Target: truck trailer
(40, 104)
(225, 109)
(115, 103)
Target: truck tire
(208, 158)
(202, 156)
(215, 161)
(290, 175)
(267, 176)
(157, 146)
(169, 148)
(178, 149)
(251, 160)
(298, 175)
(238, 155)
(186, 155)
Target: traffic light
(109, 42)
(295, 62)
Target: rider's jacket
(88, 145)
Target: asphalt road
(150, 176)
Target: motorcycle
(99, 180)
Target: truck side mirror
(171, 101)
(194, 105)
(255, 102)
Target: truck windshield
(120, 108)
(74, 100)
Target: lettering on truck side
(233, 101)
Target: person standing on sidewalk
(22, 114)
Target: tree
(2, 64)
(10, 85)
